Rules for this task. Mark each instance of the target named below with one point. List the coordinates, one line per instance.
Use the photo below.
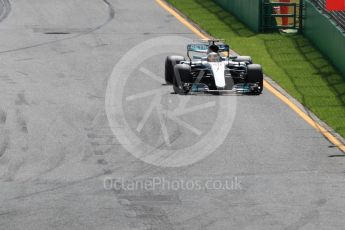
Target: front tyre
(170, 62)
(255, 76)
(182, 75)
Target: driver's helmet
(212, 57)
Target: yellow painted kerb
(267, 85)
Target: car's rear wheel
(182, 75)
(255, 76)
(170, 62)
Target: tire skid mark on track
(3, 116)
(14, 135)
(22, 125)
(56, 188)
(143, 209)
(101, 145)
(21, 99)
(4, 144)
(100, 139)
(6, 9)
(7, 80)
(4, 135)
(12, 169)
(20, 144)
(304, 220)
(57, 160)
(111, 15)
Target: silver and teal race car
(210, 69)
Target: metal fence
(337, 16)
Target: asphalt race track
(77, 127)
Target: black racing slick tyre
(170, 62)
(246, 59)
(255, 75)
(182, 75)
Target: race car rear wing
(203, 48)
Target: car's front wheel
(255, 76)
(170, 62)
(182, 75)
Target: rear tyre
(170, 62)
(182, 75)
(255, 75)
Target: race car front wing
(201, 88)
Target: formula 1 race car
(213, 70)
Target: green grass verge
(290, 60)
